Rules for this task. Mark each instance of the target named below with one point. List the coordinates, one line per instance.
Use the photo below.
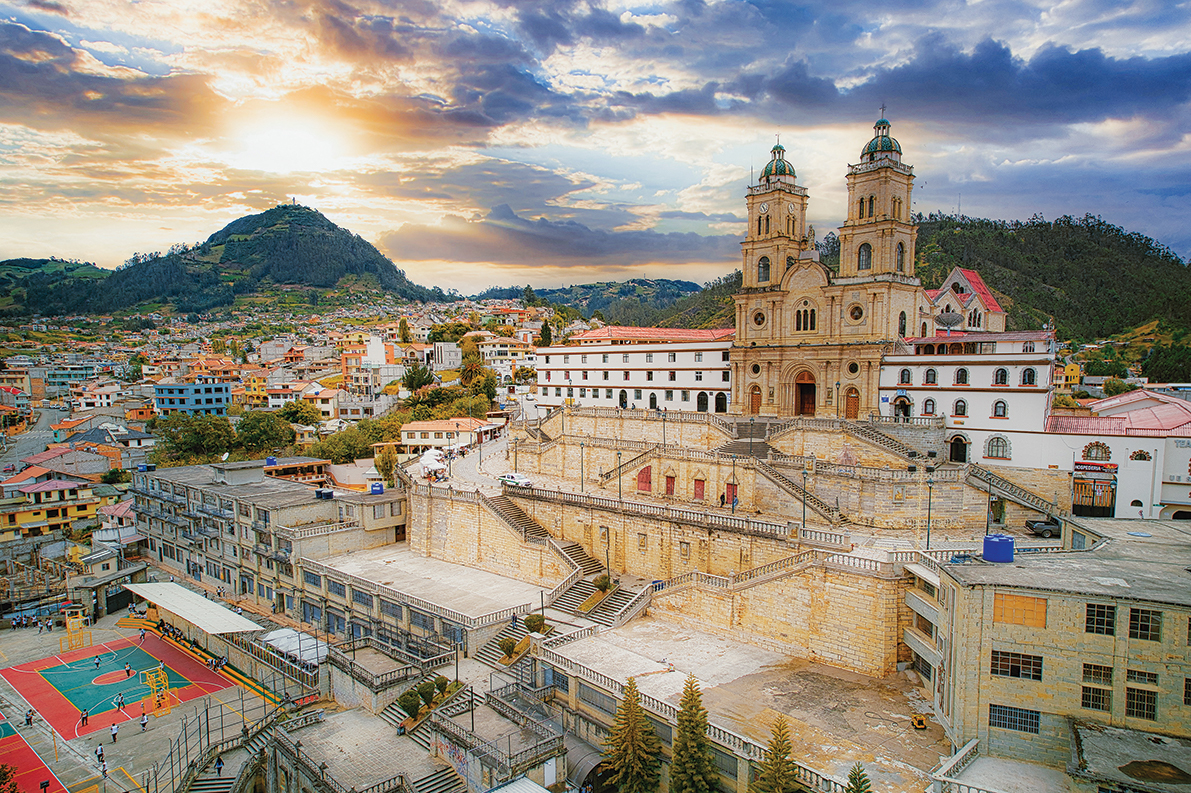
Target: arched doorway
(721, 402)
(804, 394)
(852, 404)
(701, 402)
(653, 401)
(902, 408)
(1182, 514)
(624, 398)
(755, 400)
(957, 450)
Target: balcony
(922, 644)
(918, 603)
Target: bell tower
(777, 223)
(878, 236)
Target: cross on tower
(882, 110)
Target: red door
(645, 478)
(669, 485)
(729, 494)
(699, 483)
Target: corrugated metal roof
(210, 616)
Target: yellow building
(55, 504)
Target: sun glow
(289, 146)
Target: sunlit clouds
(481, 143)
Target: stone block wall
(831, 446)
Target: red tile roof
(980, 288)
(616, 332)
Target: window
(1141, 703)
(763, 269)
(648, 357)
(961, 376)
(901, 260)
(998, 448)
(649, 377)
(423, 621)
(636, 393)
(901, 325)
(672, 376)
(597, 699)
(669, 396)
(1092, 698)
(922, 667)
(626, 375)
(363, 598)
(725, 357)
(624, 358)
(1001, 377)
(1029, 377)
(1019, 610)
(1101, 618)
(725, 375)
(1187, 690)
(605, 375)
(961, 408)
(686, 396)
(582, 359)
(903, 377)
(1008, 718)
(698, 377)
(864, 257)
(1097, 674)
(1000, 409)
(1027, 346)
(928, 407)
(1138, 676)
(1097, 451)
(932, 377)
(860, 209)
(1145, 625)
(671, 357)
(1004, 664)
(336, 588)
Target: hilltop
(619, 302)
(286, 245)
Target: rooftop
(467, 590)
(1140, 761)
(836, 717)
(1151, 567)
(267, 492)
(625, 333)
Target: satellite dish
(224, 457)
(949, 320)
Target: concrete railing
(670, 417)
(316, 530)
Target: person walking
(127, 670)
(40, 627)
(142, 635)
(219, 766)
(120, 701)
(144, 722)
(99, 753)
(29, 717)
(103, 768)
(115, 729)
(83, 717)
(97, 662)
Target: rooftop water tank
(998, 548)
(377, 489)
(270, 461)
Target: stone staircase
(577, 554)
(982, 478)
(573, 597)
(490, 653)
(207, 782)
(629, 464)
(871, 434)
(505, 509)
(444, 780)
(393, 714)
(813, 502)
(749, 441)
(605, 612)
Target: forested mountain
(288, 244)
(629, 302)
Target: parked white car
(519, 480)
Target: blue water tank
(270, 461)
(377, 488)
(998, 548)
(142, 468)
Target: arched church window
(872, 200)
(1000, 409)
(865, 257)
(961, 408)
(901, 257)
(860, 212)
(767, 224)
(932, 377)
(797, 321)
(1001, 377)
(789, 262)
(763, 269)
(928, 407)
(903, 377)
(1028, 377)
(758, 225)
(1097, 451)
(924, 330)
(812, 319)
(901, 324)
(961, 376)
(959, 290)
(997, 447)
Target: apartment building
(42, 508)
(671, 368)
(205, 396)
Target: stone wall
(640, 425)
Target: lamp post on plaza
(663, 426)
(619, 479)
(930, 485)
(582, 451)
(607, 545)
(735, 484)
(837, 398)
(752, 423)
(804, 495)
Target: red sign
(1099, 468)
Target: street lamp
(735, 484)
(752, 423)
(607, 545)
(582, 450)
(804, 495)
(619, 479)
(988, 513)
(663, 425)
(837, 399)
(930, 484)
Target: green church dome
(778, 165)
(881, 142)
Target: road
(34, 440)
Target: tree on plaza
(692, 767)
(259, 430)
(858, 780)
(776, 772)
(404, 332)
(416, 376)
(8, 779)
(299, 411)
(546, 339)
(632, 750)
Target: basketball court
(62, 686)
(30, 770)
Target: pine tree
(858, 780)
(692, 768)
(632, 750)
(776, 772)
(547, 338)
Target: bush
(441, 684)
(426, 691)
(602, 582)
(534, 623)
(507, 646)
(410, 702)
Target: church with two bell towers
(810, 338)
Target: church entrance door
(958, 452)
(721, 402)
(804, 394)
(755, 400)
(852, 404)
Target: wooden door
(852, 404)
(755, 401)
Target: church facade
(809, 338)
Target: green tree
(116, 476)
(858, 780)
(343, 447)
(385, 462)
(485, 385)
(259, 430)
(469, 347)
(775, 774)
(8, 779)
(525, 375)
(299, 411)
(404, 332)
(416, 376)
(471, 368)
(546, 338)
(528, 298)
(632, 749)
(692, 767)
(184, 435)
(1113, 387)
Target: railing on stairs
(876, 437)
(628, 465)
(575, 575)
(1014, 491)
(818, 505)
(497, 510)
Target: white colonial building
(656, 368)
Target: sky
(505, 142)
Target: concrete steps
(605, 612)
(393, 714)
(444, 780)
(510, 512)
(573, 597)
(577, 554)
(490, 653)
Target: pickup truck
(1050, 527)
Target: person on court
(142, 635)
(103, 768)
(120, 701)
(83, 717)
(115, 729)
(29, 717)
(128, 670)
(144, 722)
(99, 753)
(97, 662)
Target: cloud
(503, 237)
(721, 217)
(49, 6)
